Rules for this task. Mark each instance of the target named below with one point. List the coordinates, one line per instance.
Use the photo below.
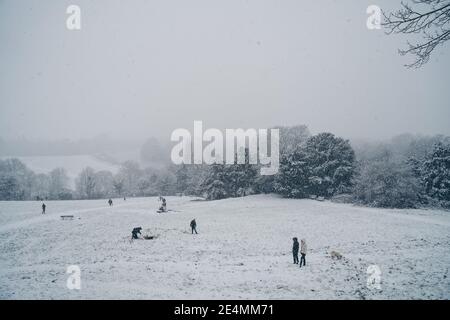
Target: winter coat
(295, 247)
(193, 224)
(303, 248)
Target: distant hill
(73, 164)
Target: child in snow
(303, 249)
(295, 248)
(194, 226)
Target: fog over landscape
(144, 69)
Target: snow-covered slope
(243, 250)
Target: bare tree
(429, 18)
(85, 183)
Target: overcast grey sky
(144, 68)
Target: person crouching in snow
(135, 232)
(295, 248)
(303, 249)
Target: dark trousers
(295, 257)
(303, 259)
(194, 229)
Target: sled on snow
(67, 217)
(165, 211)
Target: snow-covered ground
(243, 250)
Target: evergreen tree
(216, 190)
(293, 178)
(323, 166)
(182, 177)
(434, 173)
(331, 161)
(230, 180)
(214, 185)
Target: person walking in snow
(110, 202)
(295, 248)
(303, 249)
(194, 226)
(43, 208)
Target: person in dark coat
(43, 208)
(110, 202)
(135, 232)
(295, 248)
(194, 226)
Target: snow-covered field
(243, 250)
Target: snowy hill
(243, 250)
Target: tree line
(406, 172)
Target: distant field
(73, 164)
(243, 250)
